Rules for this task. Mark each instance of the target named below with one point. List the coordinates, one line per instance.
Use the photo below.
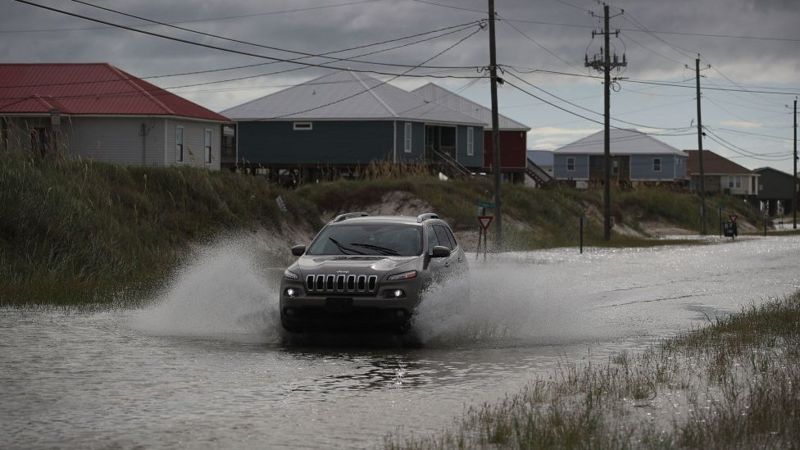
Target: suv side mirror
(298, 250)
(440, 251)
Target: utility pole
(794, 197)
(700, 148)
(495, 131)
(605, 65)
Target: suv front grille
(341, 284)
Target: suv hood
(312, 264)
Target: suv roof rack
(351, 215)
(426, 216)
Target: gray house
(636, 158)
(345, 119)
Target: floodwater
(204, 365)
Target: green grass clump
(678, 208)
(84, 227)
(72, 230)
(732, 384)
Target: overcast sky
(751, 45)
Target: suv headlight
(403, 276)
(289, 275)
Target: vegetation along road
(572, 342)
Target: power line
(761, 90)
(748, 106)
(572, 5)
(523, 34)
(739, 150)
(367, 89)
(753, 91)
(213, 47)
(587, 109)
(744, 155)
(748, 133)
(208, 19)
(642, 28)
(651, 50)
(158, 91)
(552, 104)
(254, 44)
(453, 30)
(656, 32)
(588, 118)
(296, 69)
(753, 97)
(729, 36)
(444, 5)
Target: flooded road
(205, 366)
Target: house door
(431, 141)
(440, 139)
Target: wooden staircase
(449, 166)
(538, 175)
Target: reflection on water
(206, 365)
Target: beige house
(721, 175)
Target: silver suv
(367, 272)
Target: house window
(407, 138)
(179, 143)
(470, 141)
(615, 168)
(570, 164)
(207, 145)
(302, 126)
(656, 164)
(738, 181)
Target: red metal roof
(89, 89)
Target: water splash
(229, 291)
(485, 307)
(224, 292)
(509, 303)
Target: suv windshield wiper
(382, 250)
(343, 249)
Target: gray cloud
(319, 30)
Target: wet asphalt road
(205, 365)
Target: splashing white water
(223, 292)
(509, 302)
(227, 291)
(485, 307)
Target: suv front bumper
(380, 310)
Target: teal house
(347, 119)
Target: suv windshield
(368, 239)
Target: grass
(88, 228)
(536, 218)
(732, 384)
(76, 231)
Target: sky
(749, 54)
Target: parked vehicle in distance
(367, 272)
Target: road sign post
(484, 221)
